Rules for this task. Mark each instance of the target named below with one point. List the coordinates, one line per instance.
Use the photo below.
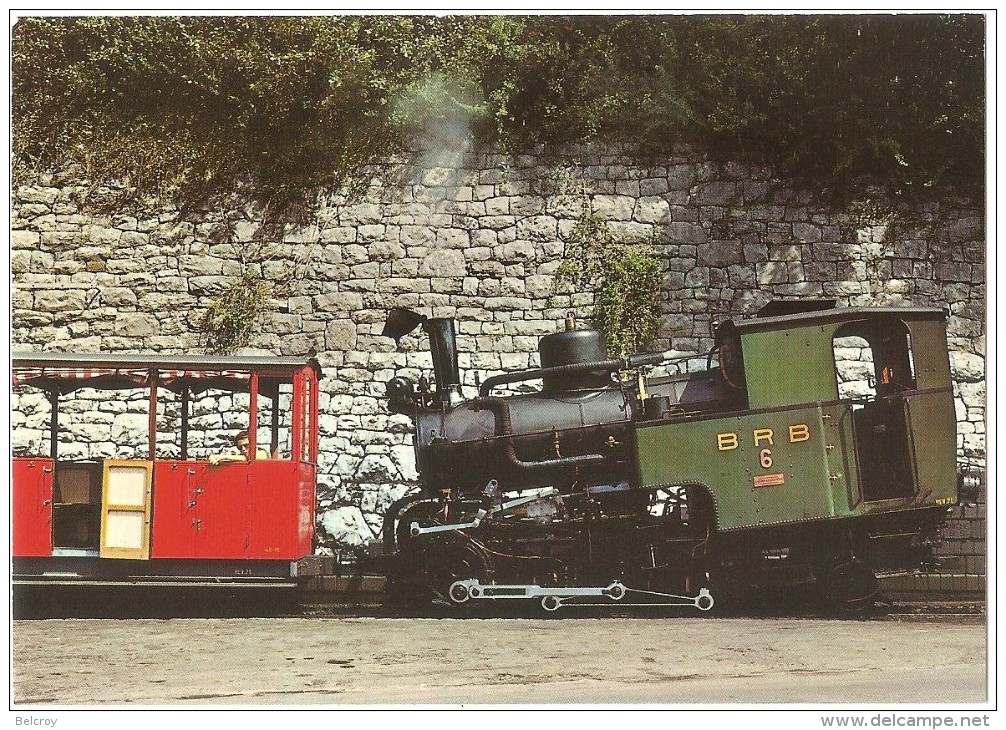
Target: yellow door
(125, 509)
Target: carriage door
(875, 365)
(32, 498)
(125, 509)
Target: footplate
(554, 597)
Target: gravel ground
(532, 661)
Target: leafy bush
(194, 106)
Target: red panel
(280, 510)
(176, 493)
(262, 510)
(308, 501)
(223, 510)
(32, 529)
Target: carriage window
(284, 409)
(31, 412)
(104, 412)
(93, 426)
(215, 418)
(169, 418)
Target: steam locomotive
(773, 467)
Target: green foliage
(233, 316)
(192, 107)
(189, 107)
(624, 279)
(896, 101)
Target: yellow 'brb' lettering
(798, 432)
(726, 441)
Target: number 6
(766, 458)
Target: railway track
(365, 598)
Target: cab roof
(819, 315)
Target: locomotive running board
(553, 597)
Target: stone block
(135, 324)
(653, 186)
(443, 263)
(518, 251)
(967, 366)
(772, 272)
(720, 253)
(806, 232)
(755, 191)
(540, 287)
(652, 210)
(498, 222)
(372, 232)
(718, 192)
(677, 232)
(338, 302)
(538, 228)
(200, 266)
(452, 238)
(386, 250)
(613, 207)
(526, 205)
(29, 240)
(681, 177)
(60, 300)
(360, 214)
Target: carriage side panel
(279, 520)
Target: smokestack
(444, 347)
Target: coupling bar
(552, 597)
(415, 529)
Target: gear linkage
(551, 492)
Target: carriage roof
(64, 371)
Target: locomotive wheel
(405, 586)
(850, 586)
(452, 559)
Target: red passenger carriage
(128, 507)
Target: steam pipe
(504, 428)
(635, 361)
(489, 383)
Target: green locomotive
(817, 447)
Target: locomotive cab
(843, 461)
(887, 372)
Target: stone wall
(479, 239)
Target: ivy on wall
(624, 278)
(233, 317)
